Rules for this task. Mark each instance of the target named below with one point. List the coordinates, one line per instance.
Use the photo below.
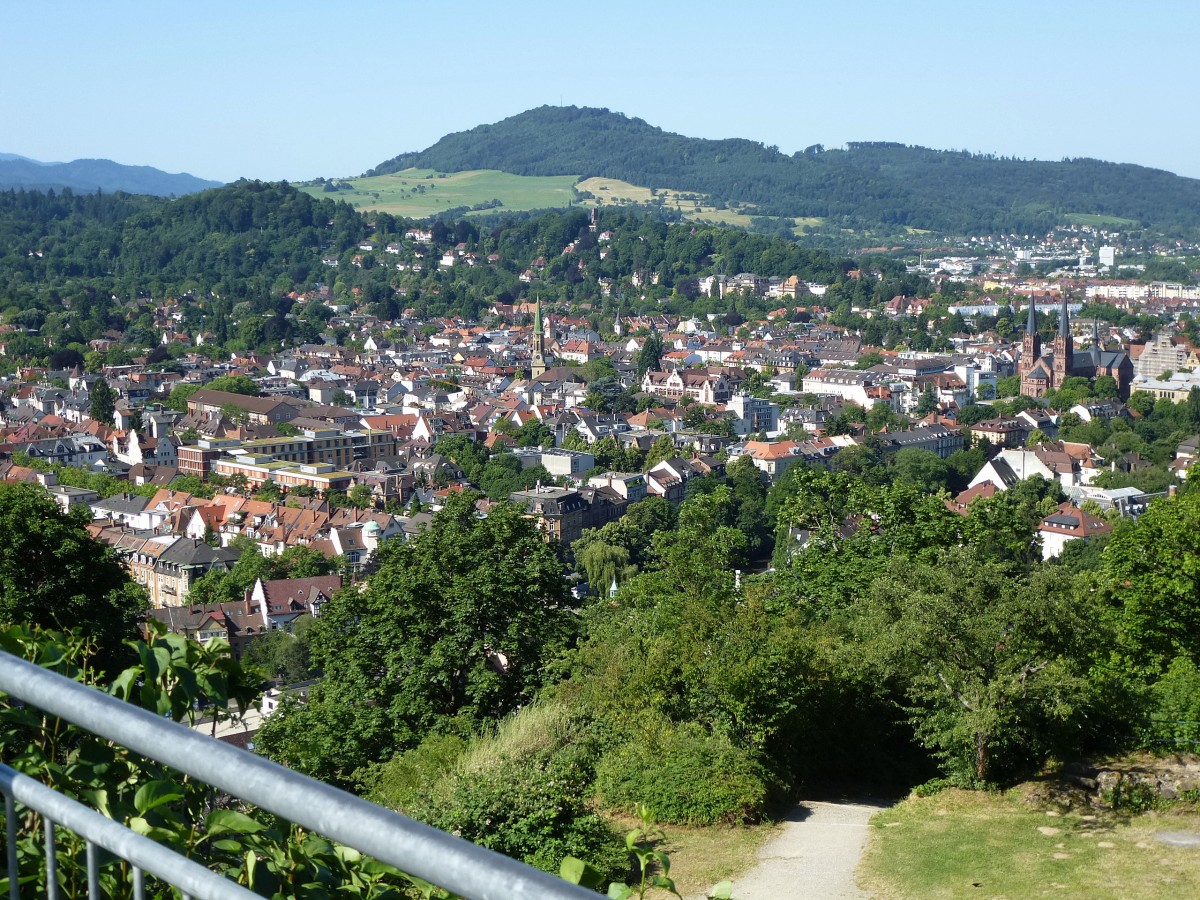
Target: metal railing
(439, 858)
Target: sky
(295, 90)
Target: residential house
(280, 602)
(1068, 524)
(259, 410)
(754, 414)
(935, 438)
(560, 512)
(181, 564)
(704, 386)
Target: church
(1041, 373)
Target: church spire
(1096, 343)
(1031, 346)
(1064, 361)
(537, 347)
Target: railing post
(10, 826)
(93, 870)
(51, 860)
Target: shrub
(686, 776)
(411, 778)
(1175, 707)
(532, 809)
(521, 791)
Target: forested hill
(73, 266)
(91, 175)
(863, 185)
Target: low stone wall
(1167, 778)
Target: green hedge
(687, 777)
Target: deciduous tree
(53, 574)
(453, 630)
(995, 670)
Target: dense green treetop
(453, 630)
(993, 666)
(1151, 571)
(54, 575)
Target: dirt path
(814, 855)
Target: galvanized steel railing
(450, 862)
(143, 854)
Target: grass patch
(702, 856)
(974, 844)
(537, 727)
(424, 193)
(694, 206)
(421, 193)
(612, 192)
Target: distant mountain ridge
(36, 162)
(862, 185)
(91, 175)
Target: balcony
(435, 857)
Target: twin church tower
(1041, 373)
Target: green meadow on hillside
(421, 193)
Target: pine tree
(104, 402)
(650, 356)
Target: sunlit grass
(975, 844)
(421, 193)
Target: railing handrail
(147, 855)
(443, 859)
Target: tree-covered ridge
(247, 229)
(866, 184)
(68, 262)
(73, 267)
(97, 175)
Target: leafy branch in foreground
(653, 867)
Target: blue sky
(300, 89)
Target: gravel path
(813, 856)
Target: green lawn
(972, 844)
(420, 193)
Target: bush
(687, 777)
(532, 809)
(411, 778)
(521, 791)
(1175, 707)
